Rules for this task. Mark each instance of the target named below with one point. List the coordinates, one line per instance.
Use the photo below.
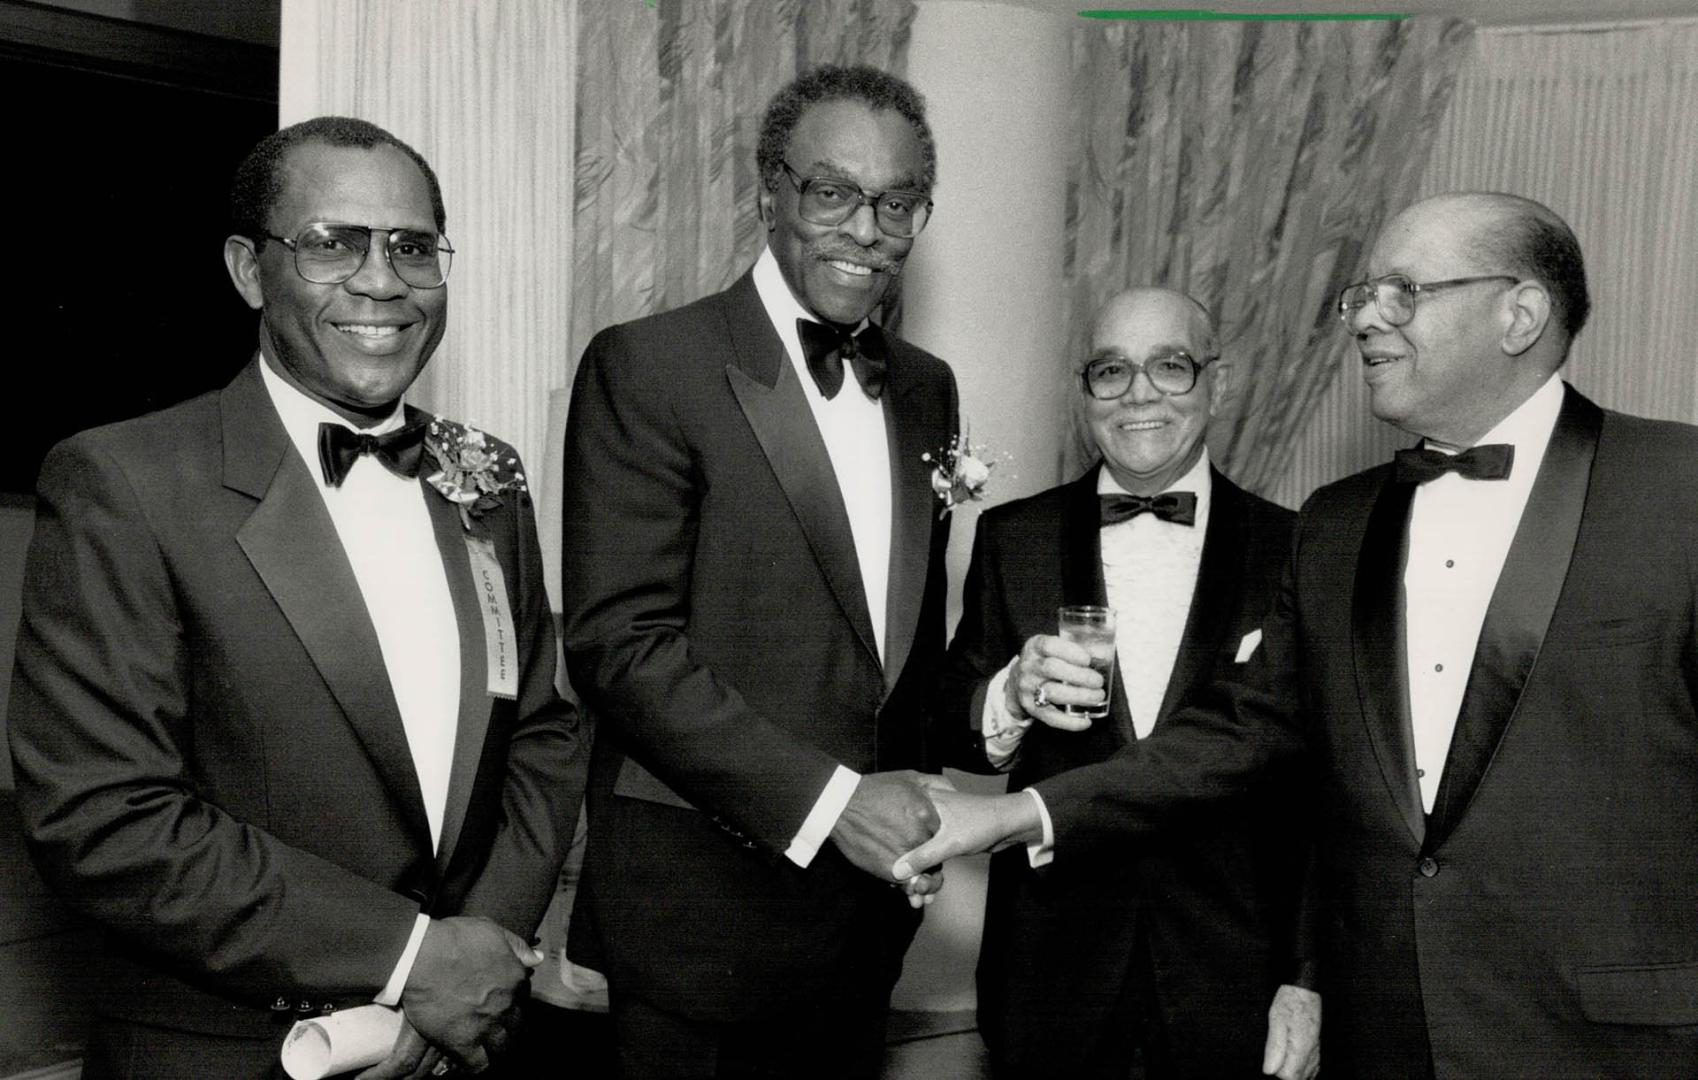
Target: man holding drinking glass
(1167, 957)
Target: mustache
(876, 260)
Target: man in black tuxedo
(1488, 650)
(283, 719)
(754, 613)
(1171, 955)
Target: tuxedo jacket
(209, 758)
(717, 628)
(1215, 900)
(1543, 919)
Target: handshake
(901, 826)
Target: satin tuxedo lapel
(1216, 595)
(912, 516)
(774, 402)
(1520, 610)
(293, 546)
(475, 702)
(1377, 640)
(1082, 583)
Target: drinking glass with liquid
(1091, 626)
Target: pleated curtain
(670, 99)
(484, 91)
(1597, 122)
(1246, 163)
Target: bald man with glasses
(1487, 650)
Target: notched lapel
(1082, 583)
(1215, 597)
(475, 701)
(1520, 610)
(293, 547)
(784, 426)
(912, 513)
(1377, 640)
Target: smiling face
(359, 345)
(1444, 375)
(1149, 439)
(842, 272)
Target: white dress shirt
(1150, 574)
(853, 428)
(1459, 535)
(387, 535)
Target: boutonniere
(472, 471)
(960, 472)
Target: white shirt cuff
(1002, 729)
(391, 994)
(816, 828)
(1040, 854)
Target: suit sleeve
(1217, 747)
(100, 714)
(632, 497)
(984, 643)
(544, 783)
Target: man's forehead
(1430, 237)
(1146, 323)
(320, 181)
(849, 138)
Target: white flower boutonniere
(960, 472)
(472, 472)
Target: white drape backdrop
(485, 92)
(1596, 122)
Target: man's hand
(410, 1058)
(1294, 1035)
(1061, 670)
(888, 814)
(460, 993)
(972, 823)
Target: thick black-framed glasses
(1172, 374)
(829, 200)
(1394, 295)
(329, 253)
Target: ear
(242, 261)
(768, 217)
(1222, 385)
(1529, 313)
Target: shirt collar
(1529, 427)
(781, 305)
(302, 414)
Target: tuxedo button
(280, 1005)
(1428, 866)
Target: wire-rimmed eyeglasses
(328, 253)
(1394, 295)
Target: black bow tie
(1490, 462)
(339, 447)
(826, 347)
(1179, 507)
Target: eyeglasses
(329, 254)
(826, 200)
(1394, 295)
(1172, 374)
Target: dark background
(121, 140)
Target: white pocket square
(1247, 647)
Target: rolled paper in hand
(340, 1041)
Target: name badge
(501, 644)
